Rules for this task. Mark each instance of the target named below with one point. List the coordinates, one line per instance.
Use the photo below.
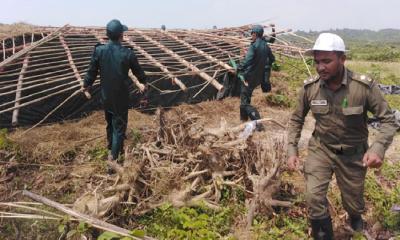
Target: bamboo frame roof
(35, 67)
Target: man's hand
(293, 163)
(146, 87)
(85, 91)
(245, 83)
(372, 160)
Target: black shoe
(357, 223)
(322, 229)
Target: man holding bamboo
(114, 62)
(339, 100)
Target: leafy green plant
(98, 153)
(5, 142)
(74, 234)
(276, 67)
(278, 100)
(167, 222)
(113, 236)
(282, 226)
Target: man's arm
(296, 123)
(136, 68)
(380, 108)
(92, 71)
(248, 60)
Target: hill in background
(356, 35)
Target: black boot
(356, 223)
(322, 229)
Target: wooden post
(203, 75)
(84, 217)
(200, 52)
(34, 45)
(175, 80)
(15, 114)
(73, 66)
(4, 51)
(13, 45)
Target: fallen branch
(86, 218)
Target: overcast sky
(294, 14)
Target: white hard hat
(327, 42)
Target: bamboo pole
(41, 82)
(4, 51)
(164, 69)
(14, 121)
(72, 65)
(200, 52)
(33, 46)
(227, 53)
(84, 217)
(203, 75)
(23, 38)
(13, 45)
(39, 99)
(47, 90)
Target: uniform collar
(117, 42)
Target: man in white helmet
(339, 100)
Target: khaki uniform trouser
(319, 167)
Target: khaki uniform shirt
(341, 115)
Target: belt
(361, 148)
(346, 151)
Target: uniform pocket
(320, 109)
(353, 115)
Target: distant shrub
(386, 55)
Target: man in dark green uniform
(114, 62)
(253, 67)
(266, 84)
(339, 100)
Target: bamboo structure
(18, 93)
(72, 64)
(186, 63)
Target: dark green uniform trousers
(319, 167)
(246, 110)
(116, 128)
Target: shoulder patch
(311, 80)
(366, 80)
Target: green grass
(382, 198)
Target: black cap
(115, 28)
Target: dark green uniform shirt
(341, 115)
(114, 62)
(258, 58)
